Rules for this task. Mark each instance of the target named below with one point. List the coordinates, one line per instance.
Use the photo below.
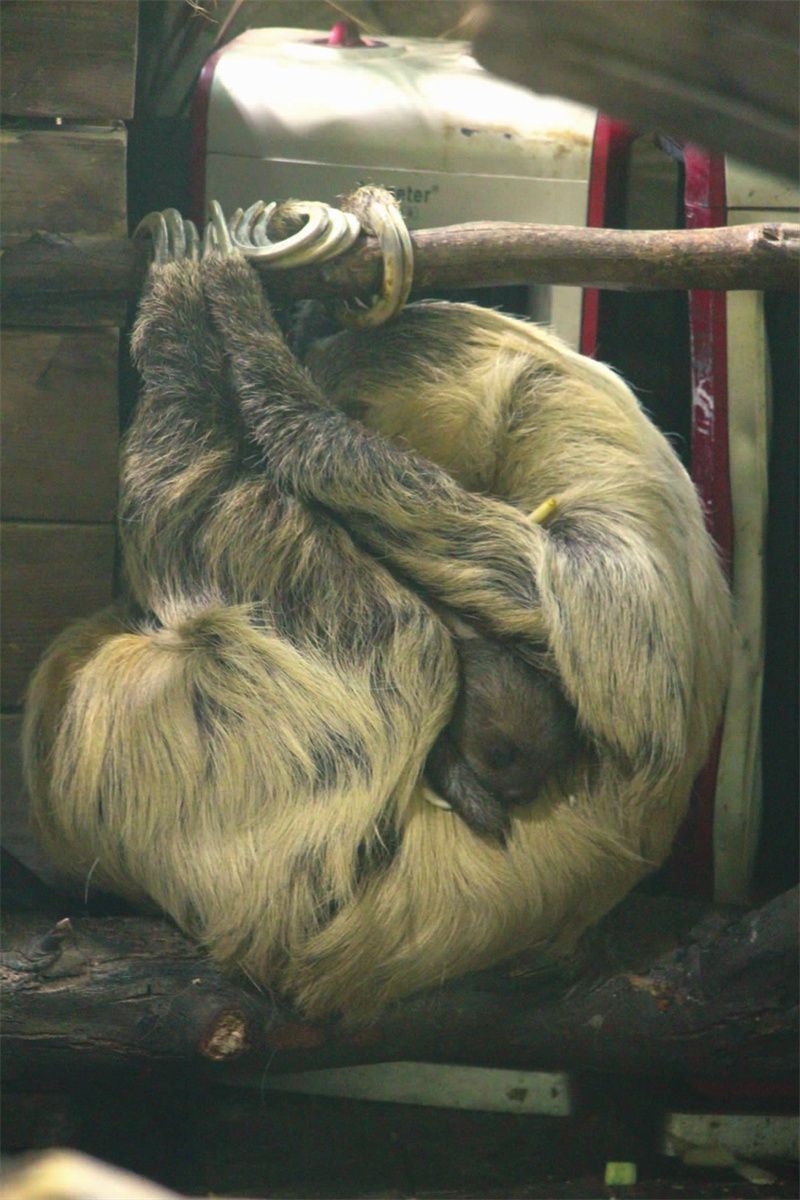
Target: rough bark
(40, 271)
(719, 1002)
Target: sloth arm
(621, 624)
(200, 524)
(477, 555)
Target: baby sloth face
(515, 726)
(511, 731)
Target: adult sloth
(243, 740)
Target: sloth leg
(275, 663)
(204, 522)
(183, 447)
(477, 555)
(202, 514)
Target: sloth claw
(173, 239)
(217, 237)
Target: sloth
(242, 740)
(510, 731)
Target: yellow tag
(544, 511)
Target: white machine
(283, 112)
(292, 112)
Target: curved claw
(217, 233)
(175, 233)
(173, 239)
(245, 225)
(242, 221)
(235, 223)
(192, 239)
(252, 239)
(154, 226)
(385, 220)
(222, 237)
(343, 231)
(209, 245)
(256, 221)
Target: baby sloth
(511, 730)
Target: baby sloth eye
(502, 755)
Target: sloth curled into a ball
(243, 740)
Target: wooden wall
(66, 87)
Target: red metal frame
(608, 169)
(692, 863)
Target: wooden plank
(68, 179)
(52, 574)
(720, 74)
(58, 402)
(75, 59)
(80, 312)
(103, 273)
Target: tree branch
(721, 1003)
(49, 269)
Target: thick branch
(47, 268)
(722, 1004)
(490, 253)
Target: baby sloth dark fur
(511, 730)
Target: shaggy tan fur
(242, 742)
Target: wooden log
(52, 574)
(58, 402)
(719, 74)
(40, 272)
(68, 59)
(720, 1004)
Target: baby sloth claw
(242, 738)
